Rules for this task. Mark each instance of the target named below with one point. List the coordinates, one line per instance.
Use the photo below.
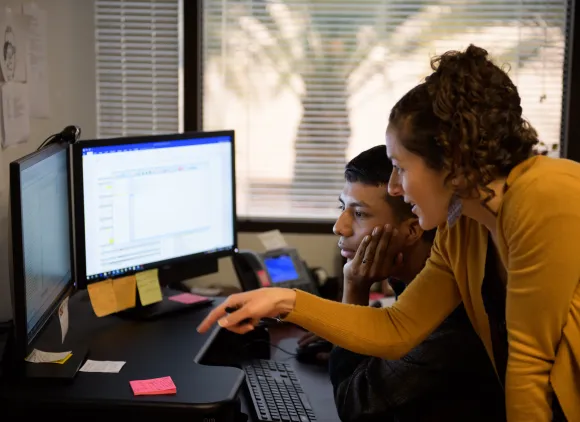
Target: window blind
(307, 85)
(138, 61)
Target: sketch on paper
(13, 37)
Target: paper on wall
(37, 60)
(272, 239)
(15, 113)
(14, 43)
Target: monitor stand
(164, 308)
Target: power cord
(271, 345)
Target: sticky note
(125, 290)
(149, 288)
(63, 318)
(63, 360)
(38, 356)
(187, 298)
(105, 366)
(102, 295)
(153, 386)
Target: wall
(71, 67)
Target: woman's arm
(541, 228)
(391, 332)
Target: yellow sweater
(538, 228)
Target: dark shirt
(448, 377)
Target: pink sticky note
(153, 386)
(187, 298)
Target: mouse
(308, 353)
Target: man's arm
(370, 389)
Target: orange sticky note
(155, 386)
(125, 290)
(102, 297)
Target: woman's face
(419, 185)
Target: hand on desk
(249, 308)
(309, 339)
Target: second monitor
(149, 202)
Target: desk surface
(151, 349)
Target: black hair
(372, 167)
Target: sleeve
(451, 359)
(389, 332)
(541, 231)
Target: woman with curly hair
(509, 224)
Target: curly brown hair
(466, 119)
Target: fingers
(383, 244)
(369, 257)
(217, 313)
(360, 252)
(306, 339)
(232, 305)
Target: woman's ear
(415, 232)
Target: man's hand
(309, 338)
(377, 258)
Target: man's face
(363, 208)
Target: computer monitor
(40, 266)
(152, 201)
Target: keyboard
(276, 392)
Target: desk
(166, 346)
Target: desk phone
(279, 268)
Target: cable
(271, 345)
(69, 134)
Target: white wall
(71, 67)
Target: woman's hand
(246, 309)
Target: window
(138, 59)
(307, 85)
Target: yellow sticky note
(102, 297)
(125, 289)
(149, 288)
(63, 360)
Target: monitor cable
(69, 134)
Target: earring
(454, 211)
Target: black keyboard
(276, 392)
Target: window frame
(193, 106)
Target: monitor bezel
(78, 191)
(16, 262)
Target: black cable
(271, 345)
(47, 141)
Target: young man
(449, 376)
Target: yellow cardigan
(538, 230)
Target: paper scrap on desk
(187, 298)
(37, 60)
(125, 292)
(63, 318)
(272, 239)
(15, 113)
(102, 295)
(149, 288)
(105, 366)
(154, 386)
(38, 356)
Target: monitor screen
(45, 235)
(151, 200)
(281, 268)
